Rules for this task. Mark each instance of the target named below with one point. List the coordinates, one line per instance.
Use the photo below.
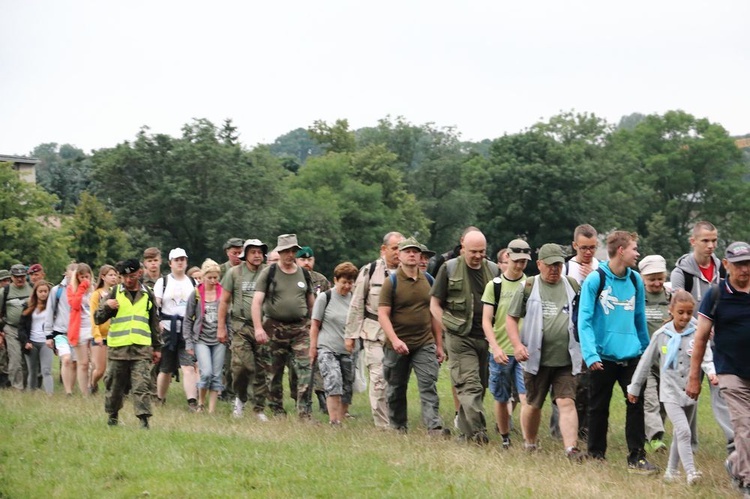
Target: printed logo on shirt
(248, 287)
(609, 301)
(549, 309)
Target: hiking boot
(261, 417)
(239, 407)
(94, 389)
(480, 438)
(144, 422)
(439, 432)
(672, 476)
(113, 419)
(656, 445)
(694, 477)
(642, 467)
(506, 442)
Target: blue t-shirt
(731, 329)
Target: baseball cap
(232, 242)
(18, 270)
(737, 252)
(551, 253)
(426, 251)
(178, 253)
(652, 264)
(409, 243)
(518, 249)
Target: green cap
(551, 253)
(409, 243)
(305, 252)
(4, 274)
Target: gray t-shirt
(333, 320)
(210, 323)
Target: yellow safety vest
(130, 326)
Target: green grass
(62, 447)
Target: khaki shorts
(560, 379)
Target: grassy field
(62, 447)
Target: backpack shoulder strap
(451, 266)
(688, 278)
(308, 277)
(371, 270)
(429, 278)
(715, 297)
(393, 279)
(602, 281)
(497, 286)
(270, 278)
(528, 285)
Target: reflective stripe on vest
(131, 325)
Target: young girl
(79, 326)
(200, 330)
(108, 277)
(31, 335)
(672, 346)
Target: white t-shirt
(173, 299)
(574, 269)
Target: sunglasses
(520, 250)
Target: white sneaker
(261, 417)
(671, 476)
(455, 422)
(239, 407)
(694, 477)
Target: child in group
(653, 269)
(672, 346)
(79, 326)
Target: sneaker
(672, 476)
(656, 445)
(192, 405)
(144, 422)
(506, 442)
(350, 416)
(575, 455)
(694, 477)
(642, 467)
(530, 447)
(261, 417)
(200, 408)
(113, 419)
(455, 422)
(239, 407)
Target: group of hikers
(569, 333)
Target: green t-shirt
(555, 316)
(508, 288)
(657, 311)
(410, 310)
(15, 302)
(241, 282)
(288, 299)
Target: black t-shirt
(476, 278)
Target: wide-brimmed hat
(253, 242)
(4, 274)
(287, 241)
(427, 252)
(518, 249)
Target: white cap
(177, 253)
(653, 264)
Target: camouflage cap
(18, 270)
(4, 274)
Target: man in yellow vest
(133, 343)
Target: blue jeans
(210, 363)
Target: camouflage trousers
(250, 365)
(124, 374)
(289, 339)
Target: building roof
(18, 159)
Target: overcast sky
(93, 73)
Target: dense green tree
(64, 171)
(29, 225)
(298, 145)
(95, 235)
(333, 138)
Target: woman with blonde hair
(79, 325)
(200, 329)
(108, 277)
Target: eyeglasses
(587, 248)
(520, 250)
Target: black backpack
(688, 277)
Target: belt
(371, 316)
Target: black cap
(129, 266)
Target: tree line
(341, 190)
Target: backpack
(271, 281)
(576, 299)
(688, 277)
(497, 286)
(6, 291)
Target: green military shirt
(287, 301)
(410, 309)
(657, 311)
(13, 301)
(241, 282)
